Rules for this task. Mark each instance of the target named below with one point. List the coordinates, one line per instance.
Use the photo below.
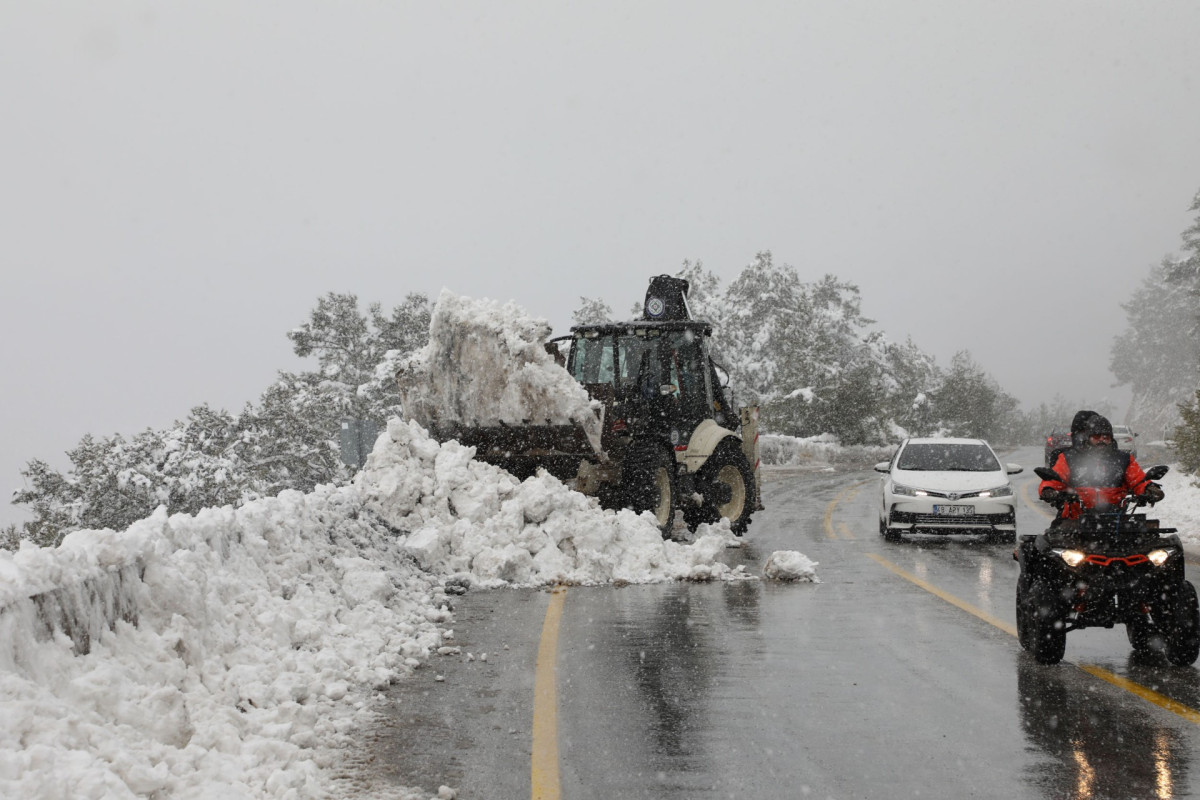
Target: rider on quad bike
(1100, 474)
(1099, 564)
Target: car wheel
(1183, 635)
(889, 533)
(1048, 639)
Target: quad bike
(1106, 567)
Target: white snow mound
(464, 518)
(790, 565)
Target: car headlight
(1159, 557)
(1073, 557)
(907, 491)
(999, 491)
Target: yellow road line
(844, 530)
(1036, 505)
(845, 494)
(544, 778)
(1188, 713)
(949, 598)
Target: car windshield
(1121, 429)
(948, 457)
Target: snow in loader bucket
(486, 380)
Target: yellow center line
(949, 598)
(844, 530)
(544, 778)
(1036, 505)
(1149, 695)
(845, 494)
(1188, 713)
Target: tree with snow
(214, 458)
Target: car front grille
(943, 521)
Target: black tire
(1143, 635)
(1048, 634)
(648, 484)
(1024, 613)
(1183, 633)
(888, 533)
(728, 469)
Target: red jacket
(1133, 481)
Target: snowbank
(1181, 508)
(817, 451)
(230, 653)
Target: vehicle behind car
(1124, 436)
(947, 486)
(1057, 440)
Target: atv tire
(1048, 633)
(1183, 633)
(1024, 613)
(1144, 636)
(648, 484)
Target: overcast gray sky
(180, 182)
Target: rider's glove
(1052, 496)
(1153, 493)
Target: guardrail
(81, 610)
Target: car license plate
(954, 511)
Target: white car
(1124, 437)
(947, 486)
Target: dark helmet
(1079, 426)
(1098, 425)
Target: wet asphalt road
(868, 684)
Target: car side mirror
(883, 466)
(1014, 469)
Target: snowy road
(896, 676)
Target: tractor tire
(648, 484)
(1183, 635)
(1048, 634)
(728, 469)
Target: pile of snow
(1181, 508)
(790, 565)
(818, 451)
(262, 632)
(486, 363)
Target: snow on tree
(592, 312)
(214, 458)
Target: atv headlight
(999, 491)
(1073, 557)
(1159, 557)
(907, 491)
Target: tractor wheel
(1048, 635)
(648, 484)
(1183, 635)
(727, 472)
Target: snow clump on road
(790, 565)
